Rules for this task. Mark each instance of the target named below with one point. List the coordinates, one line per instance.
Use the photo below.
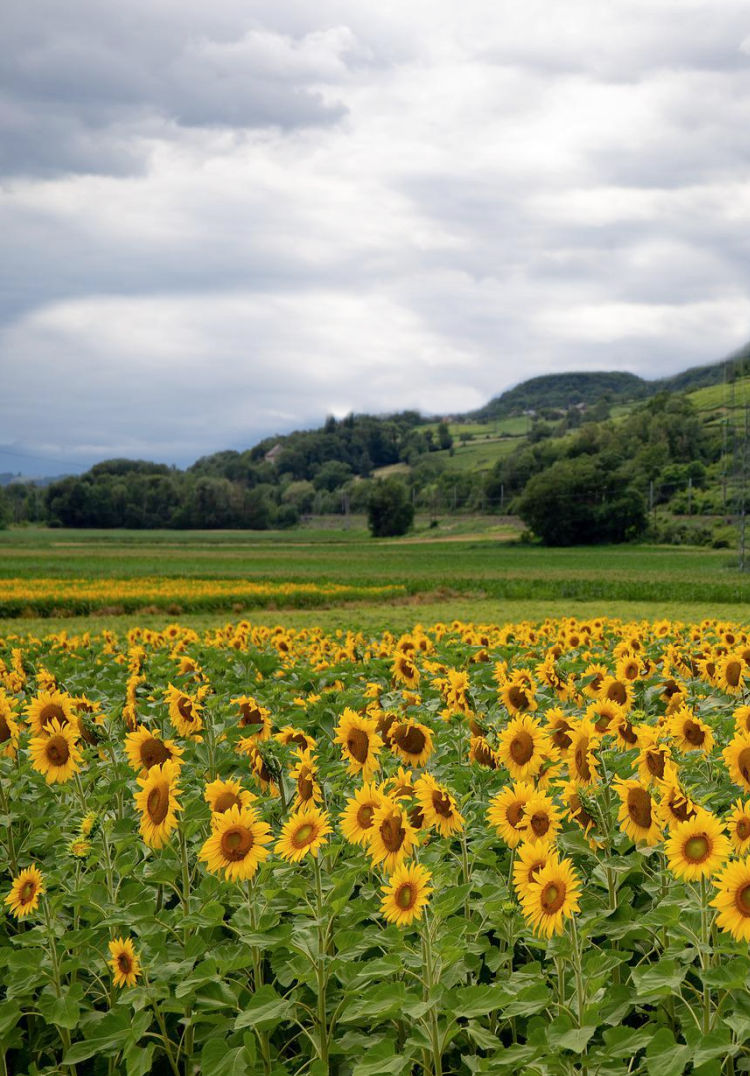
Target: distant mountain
(563, 391)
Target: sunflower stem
(428, 961)
(9, 829)
(580, 994)
(705, 954)
(252, 907)
(162, 1027)
(188, 1045)
(320, 967)
(64, 1033)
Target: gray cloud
(222, 221)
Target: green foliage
(562, 391)
(580, 502)
(390, 511)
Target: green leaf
(627, 1041)
(664, 1056)
(222, 1060)
(484, 1039)
(62, 1012)
(476, 1000)
(382, 1059)
(575, 1039)
(378, 1003)
(660, 980)
(10, 1013)
(264, 1011)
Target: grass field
(439, 570)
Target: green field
(440, 574)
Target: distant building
(273, 453)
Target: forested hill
(563, 391)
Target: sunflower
(593, 678)
(617, 690)
(260, 771)
(674, 806)
(542, 818)
(359, 742)
(411, 741)
(356, 818)
(298, 737)
(158, 802)
(697, 848)
(551, 897)
(304, 776)
(628, 668)
(481, 753)
(737, 758)
(731, 672)
(237, 844)
(582, 764)
(529, 860)
(626, 733)
(406, 894)
(25, 892)
(393, 836)
(49, 706)
(304, 831)
(518, 695)
(573, 794)
(221, 796)
(742, 720)
(401, 785)
(558, 728)
(438, 806)
(124, 963)
(184, 711)
(605, 715)
(733, 900)
(506, 812)
(254, 719)
(79, 847)
(655, 764)
(55, 754)
(523, 747)
(637, 815)
(9, 730)
(145, 749)
(689, 732)
(404, 669)
(738, 824)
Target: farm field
(472, 846)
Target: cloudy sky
(228, 219)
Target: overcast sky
(228, 219)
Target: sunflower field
(471, 848)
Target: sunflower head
(27, 887)
(697, 848)
(360, 743)
(551, 897)
(305, 831)
(733, 899)
(125, 964)
(237, 844)
(406, 894)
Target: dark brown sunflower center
(482, 754)
(670, 688)
(305, 786)
(743, 828)
(27, 892)
(236, 842)
(157, 804)
(639, 807)
(251, 715)
(604, 721)
(124, 963)
(57, 750)
(408, 671)
(693, 733)
(298, 738)
(364, 816)
(514, 814)
(518, 697)
(655, 763)
(410, 739)
(52, 712)
(581, 815)
(630, 672)
(534, 869)
(441, 804)
(552, 897)
(392, 834)
(304, 835)
(521, 748)
(154, 753)
(742, 900)
(697, 848)
(582, 761)
(405, 896)
(358, 743)
(224, 801)
(616, 692)
(733, 672)
(560, 737)
(540, 823)
(743, 763)
(627, 733)
(185, 707)
(4, 729)
(682, 810)
(416, 817)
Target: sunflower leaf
(264, 1011)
